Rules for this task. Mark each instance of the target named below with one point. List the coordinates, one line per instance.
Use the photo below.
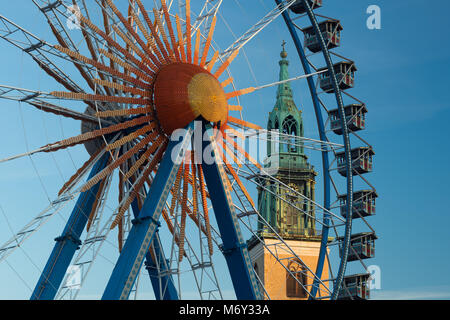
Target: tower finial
(283, 53)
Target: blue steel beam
(156, 266)
(145, 226)
(234, 247)
(68, 242)
(160, 277)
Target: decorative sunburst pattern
(159, 79)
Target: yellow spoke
(132, 136)
(227, 82)
(120, 87)
(234, 108)
(171, 31)
(211, 63)
(197, 47)
(238, 93)
(180, 39)
(153, 31)
(226, 64)
(163, 33)
(188, 31)
(208, 42)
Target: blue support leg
(163, 285)
(234, 247)
(68, 242)
(156, 265)
(144, 227)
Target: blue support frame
(69, 241)
(234, 247)
(146, 225)
(161, 284)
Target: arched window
(290, 128)
(297, 274)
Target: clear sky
(402, 77)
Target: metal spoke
(257, 28)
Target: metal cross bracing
(233, 246)
(302, 199)
(22, 95)
(279, 138)
(208, 12)
(207, 269)
(51, 279)
(58, 27)
(257, 176)
(142, 232)
(69, 241)
(199, 263)
(91, 247)
(258, 27)
(87, 252)
(34, 98)
(199, 259)
(43, 217)
(280, 246)
(52, 11)
(251, 177)
(100, 43)
(37, 49)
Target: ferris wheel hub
(184, 92)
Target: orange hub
(183, 92)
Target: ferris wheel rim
(325, 160)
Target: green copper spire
(284, 90)
(287, 118)
(286, 158)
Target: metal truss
(87, 254)
(257, 28)
(36, 48)
(43, 217)
(280, 246)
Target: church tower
(287, 161)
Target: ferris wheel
(166, 180)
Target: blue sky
(402, 78)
